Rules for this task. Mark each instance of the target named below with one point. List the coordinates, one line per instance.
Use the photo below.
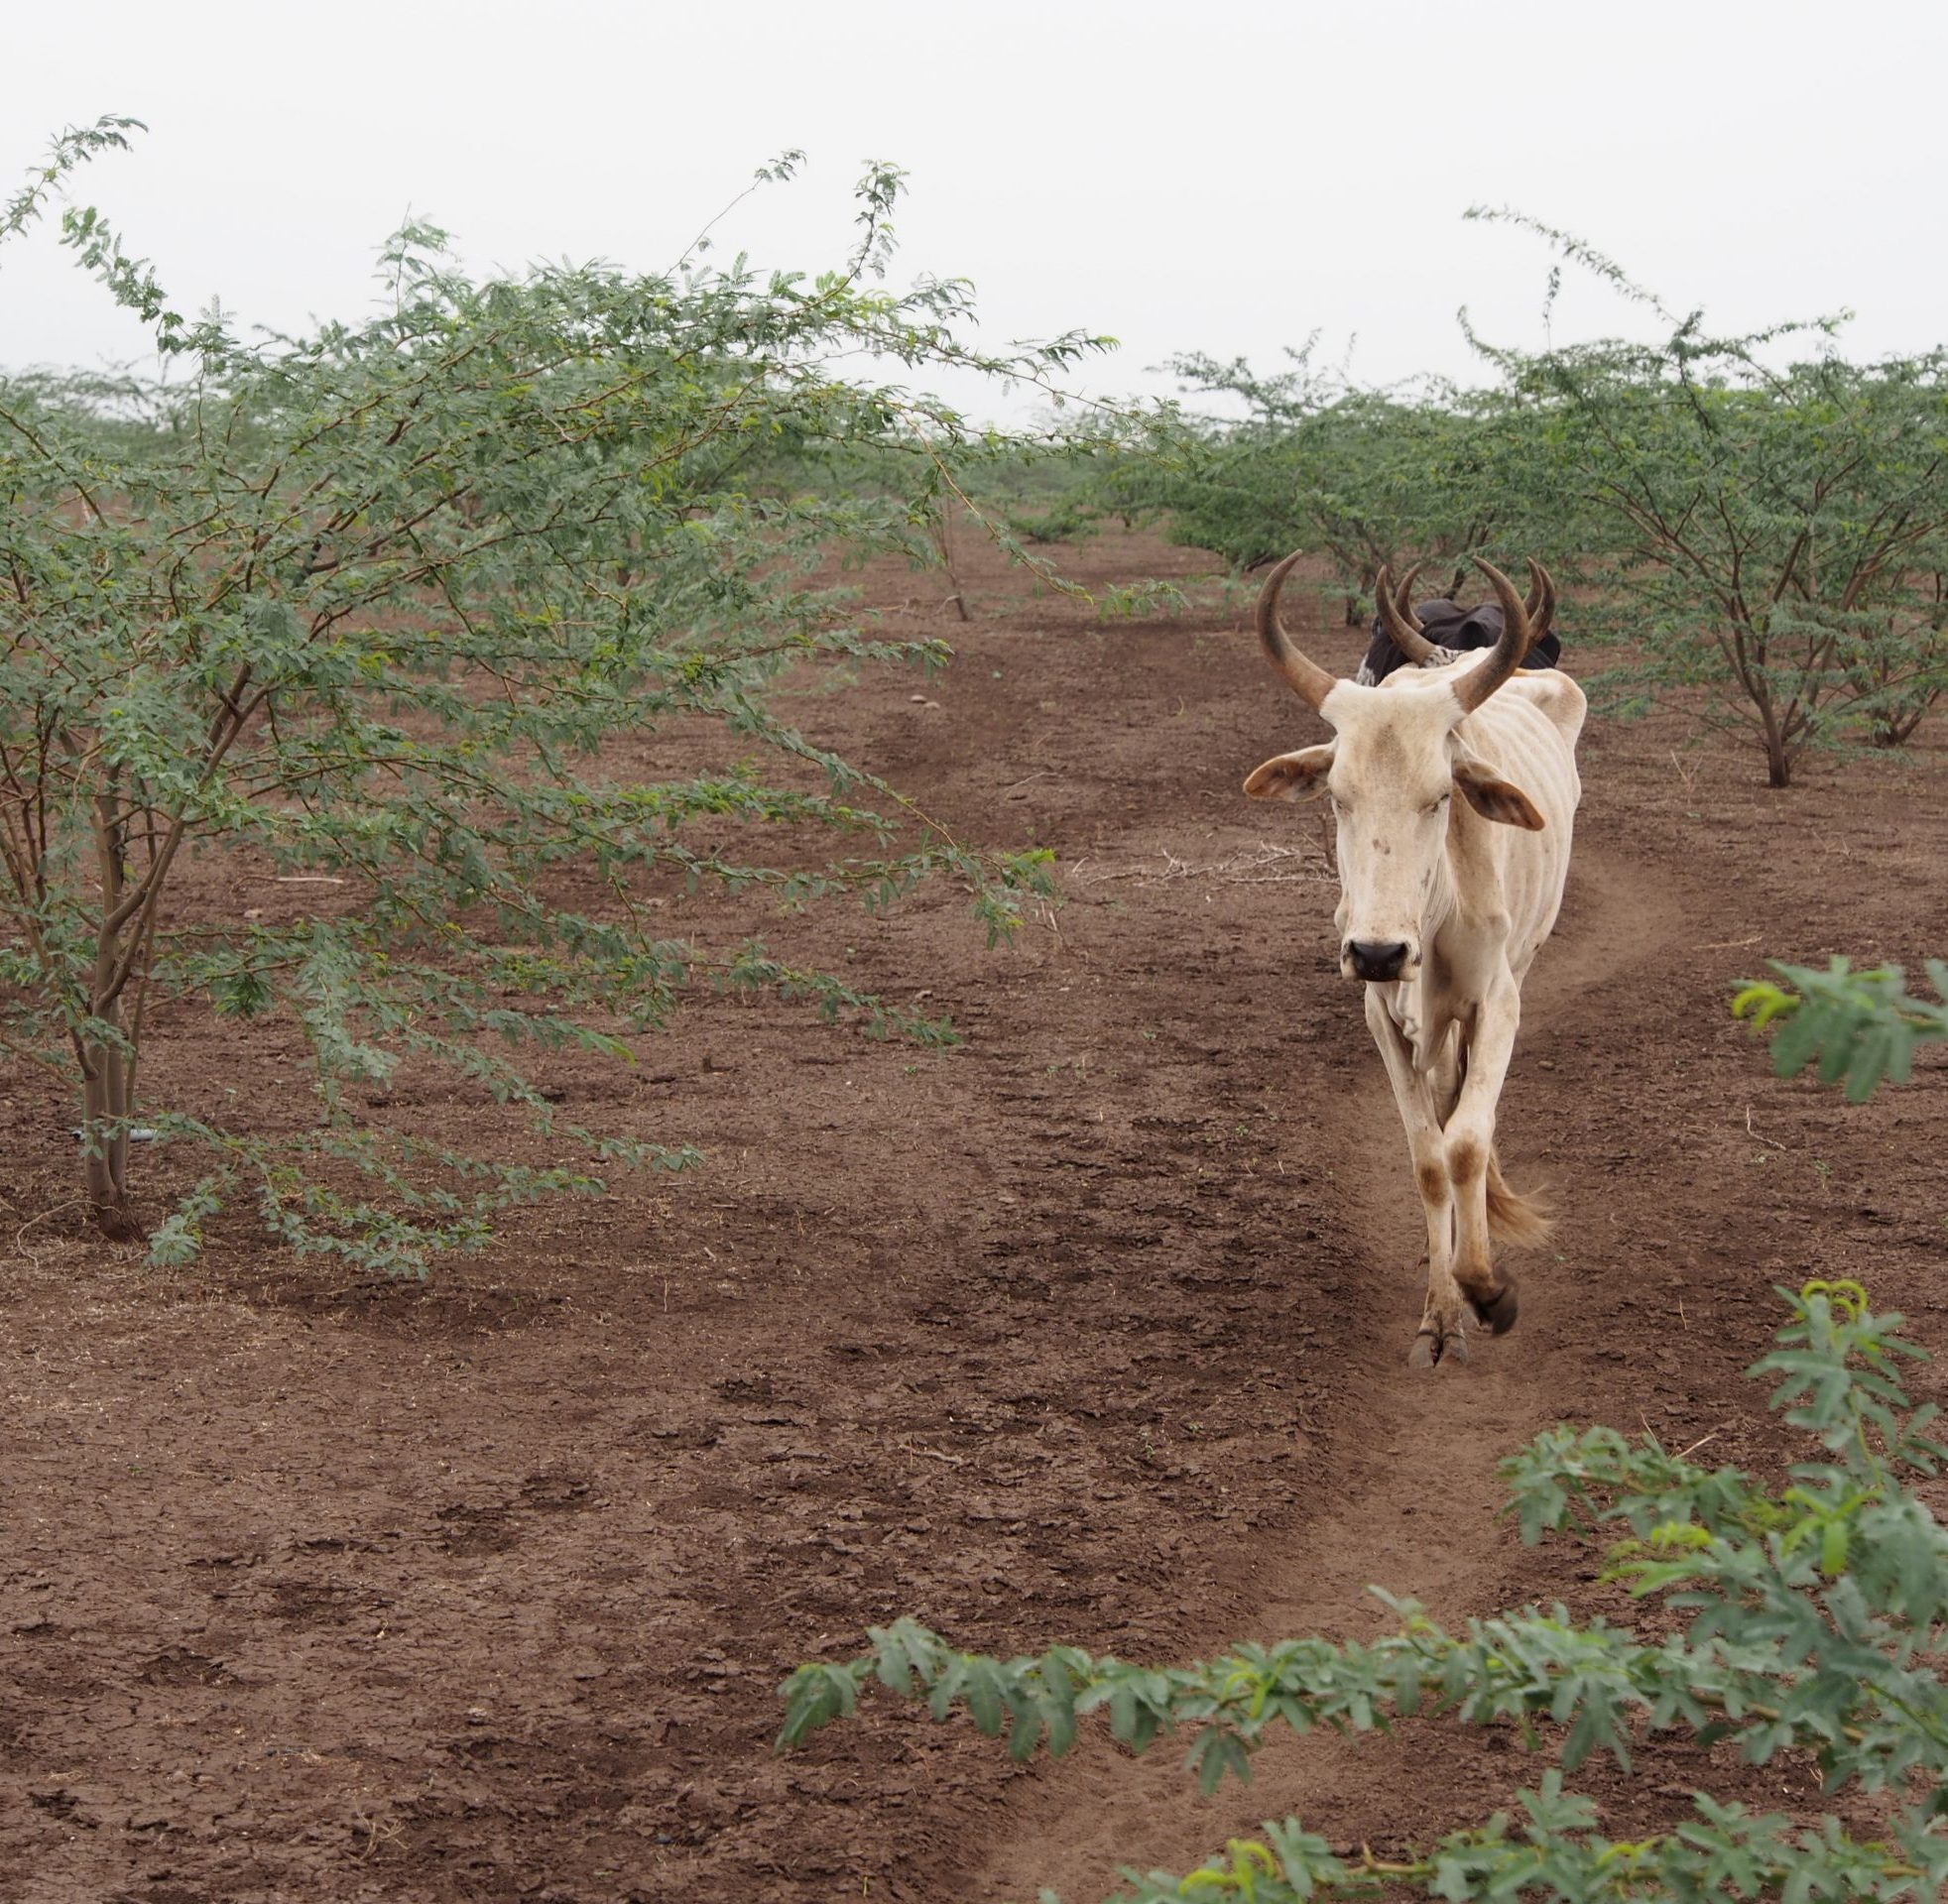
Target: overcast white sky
(1223, 176)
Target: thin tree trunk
(107, 1073)
(1752, 676)
(1779, 759)
(106, 1105)
(943, 532)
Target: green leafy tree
(368, 605)
(1364, 478)
(1808, 1617)
(1775, 535)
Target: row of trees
(1753, 516)
(366, 602)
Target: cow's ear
(1494, 798)
(1292, 776)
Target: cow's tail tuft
(1514, 1218)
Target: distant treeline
(1756, 516)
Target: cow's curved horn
(1540, 606)
(1508, 651)
(1308, 679)
(1396, 616)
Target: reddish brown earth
(1092, 1329)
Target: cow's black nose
(1377, 961)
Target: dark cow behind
(1452, 628)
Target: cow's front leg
(1442, 1323)
(1470, 1145)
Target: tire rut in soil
(1410, 1497)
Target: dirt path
(1092, 1329)
(1412, 1476)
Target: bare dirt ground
(1092, 1329)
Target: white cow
(1444, 902)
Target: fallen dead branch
(1261, 864)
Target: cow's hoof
(1435, 1348)
(1499, 1312)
